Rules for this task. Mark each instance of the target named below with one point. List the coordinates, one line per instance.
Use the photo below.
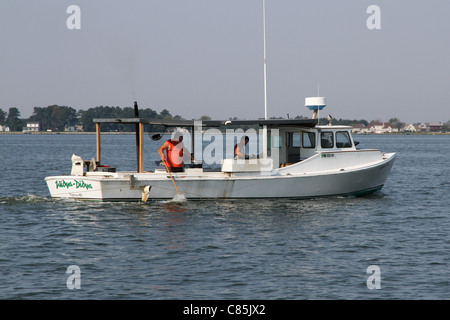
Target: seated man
(174, 148)
(239, 149)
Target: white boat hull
(194, 184)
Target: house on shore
(380, 128)
(31, 127)
(410, 128)
(435, 126)
(358, 128)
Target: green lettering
(77, 184)
(62, 184)
(82, 184)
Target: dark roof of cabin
(214, 123)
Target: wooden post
(138, 139)
(141, 147)
(99, 148)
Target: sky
(205, 57)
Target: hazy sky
(205, 57)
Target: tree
(446, 127)
(148, 114)
(165, 114)
(397, 123)
(54, 117)
(205, 118)
(85, 117)
(2, 117)
(63, 116)
(13, 121)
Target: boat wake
(30, 198)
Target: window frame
(348, 138)
(309, 134)
(330, 134)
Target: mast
(136, 115)
(265, 60)
(265, 82)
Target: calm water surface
(286, 249)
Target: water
(262, 249)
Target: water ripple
(265, 249)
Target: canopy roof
(213, 123)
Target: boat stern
(74, 187)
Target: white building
(358, 128)
(410, 128)
(382, 128)
(31, 127)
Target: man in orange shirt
(174, 148)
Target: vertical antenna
(318, 95)
(265, 84)
(265, 61)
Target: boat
(300, 159)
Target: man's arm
(161, 150)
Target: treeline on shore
(62, 118)
(57, 118)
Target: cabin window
(343, 139)
(308, 140)
(296, 140)
(276, 142)
(326, 139)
